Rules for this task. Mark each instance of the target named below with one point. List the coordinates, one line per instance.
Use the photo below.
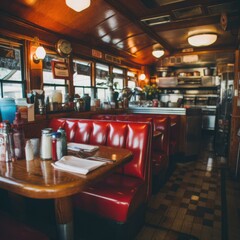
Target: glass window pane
(82, 73)
(132, 82)
(102, 94)
(11, 72)
(102, 71)
(79, 91)
(118, 79)
(49, 89)
(13, 90)
(47, 70)
(10, 63)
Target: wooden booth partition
(235, 120)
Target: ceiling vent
(156, 20)
(167, 2)
(224, 7)
(187, 12)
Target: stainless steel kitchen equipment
(208, 118)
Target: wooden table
(38, 179)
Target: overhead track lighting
(78, 5)
(203, 39)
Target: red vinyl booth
(121, 197)
(160, 143)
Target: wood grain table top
(39, 179)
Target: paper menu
(77, 165)
(81, 147)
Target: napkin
(77, 165)
(81, 147)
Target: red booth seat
(160, 144)
(121, 194)
(174, 129)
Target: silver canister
(46, 144)
(63, 141)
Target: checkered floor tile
(188, 206)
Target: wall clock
(63, 47)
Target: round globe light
(204, 39)
(40, 52)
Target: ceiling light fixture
(78, 5)
(157, 53)
(142, 76)
(203, 39)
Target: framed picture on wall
(60, 69)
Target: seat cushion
(116, 197)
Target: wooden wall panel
(235, 121)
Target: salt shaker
(46, 144)
(29, 151)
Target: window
(118, 79)
(11, 71)
(49, 82)
(132, 83)
(82, 77)
(102, 71)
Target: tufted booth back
(159, 123)
(133, 136)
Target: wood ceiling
(121, 27)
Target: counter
(190, 127)
(165, 110)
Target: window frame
(12, 43)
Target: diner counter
(190, 126)
(165, 110)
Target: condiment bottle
(18, 137)
(11, 142)
(5, 147)
(56, 146)
(63, 141)
(46, 144)
(29, 151)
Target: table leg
(64, 217)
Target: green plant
(151, 89)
